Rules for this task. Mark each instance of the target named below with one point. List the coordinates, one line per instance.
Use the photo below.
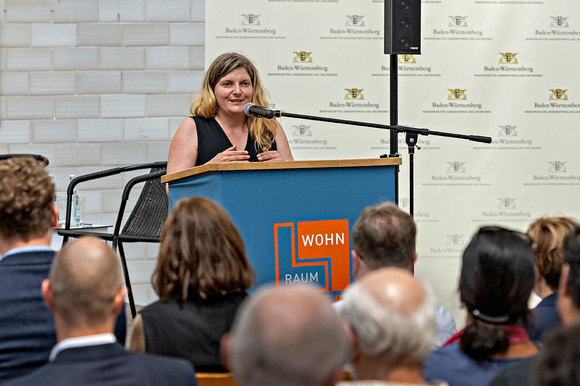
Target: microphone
(252, 110)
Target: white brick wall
(93, 84)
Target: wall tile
(187, 34)
(121, 106)
(27, 10)
(144, 82)
(146, 34)
(75, 11)
(14, 132)
(100, 34)
(57, 131)
(121, 10)
(124, 153)
(146, 129)
(52, 83)
(81, 58)
(78, 154)
(163, 105)
(13, 83)
(14, 35)
(184, 81)
(53, 35)
(28, 59)
(28, 107)
(167, 58)
(167, 10)
(122, 58)
(98, 82)
(100, 130)
(76, 106)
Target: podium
(295, 217)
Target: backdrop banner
(498, 68)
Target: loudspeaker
(402, 26)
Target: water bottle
(76, 220)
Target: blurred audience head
(569, 290)
(85, 287)
(26, 199)
(392, 318)
(201, 253)
(497, 277)
(286, 336)
(557, 363)
(383, 236)
(548, 235)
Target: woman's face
(233, 91)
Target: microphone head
(247, 108)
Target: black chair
(145, 222)
(38, 157)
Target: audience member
(27, 215)
(548, 235)
(497, 276)
(201, 278)
(557, 363)
(286, 336)
(85, 291)
(391, 316)
(384, 236)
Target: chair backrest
(215, 379)
(150, 211)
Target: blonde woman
(218, 130)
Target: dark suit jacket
(109, 364)
(26, 324)
(27, 332)
(544, 318)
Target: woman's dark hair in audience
(497, 277)
(201, 253)
(572, 258)
(557, 363)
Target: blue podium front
(295, 217)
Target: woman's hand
(270, 155)
(230, 155)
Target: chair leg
(127, 281)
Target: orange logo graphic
(320, 244)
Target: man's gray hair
(382, 330)
(287, 336)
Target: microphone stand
(412, 134)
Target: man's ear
(119, 300)
(359, 267)
(54, 217)
(563, 289)
(413, 261)
(226, 345)
(46, 290)
(353, 340)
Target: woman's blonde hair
(262, 131)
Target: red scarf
(516, 332)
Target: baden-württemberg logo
(455, 173)
(303, 139)
(504, 209)
(251, 19)
(507, 65)
(451, 245)
(457, 101)
(556, 28)
(456, 28)
(508, 138)
(354, 93)
(556, 172)
(250, 27)
(301, 63)
(557, 100)
(353, 27)
(355, 20)
(303, 57)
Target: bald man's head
(392, 316)
(287, 335)
(85, 278)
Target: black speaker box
(402, 26)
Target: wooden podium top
(346, 163)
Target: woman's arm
(183, 148)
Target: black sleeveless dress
(211, 140)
